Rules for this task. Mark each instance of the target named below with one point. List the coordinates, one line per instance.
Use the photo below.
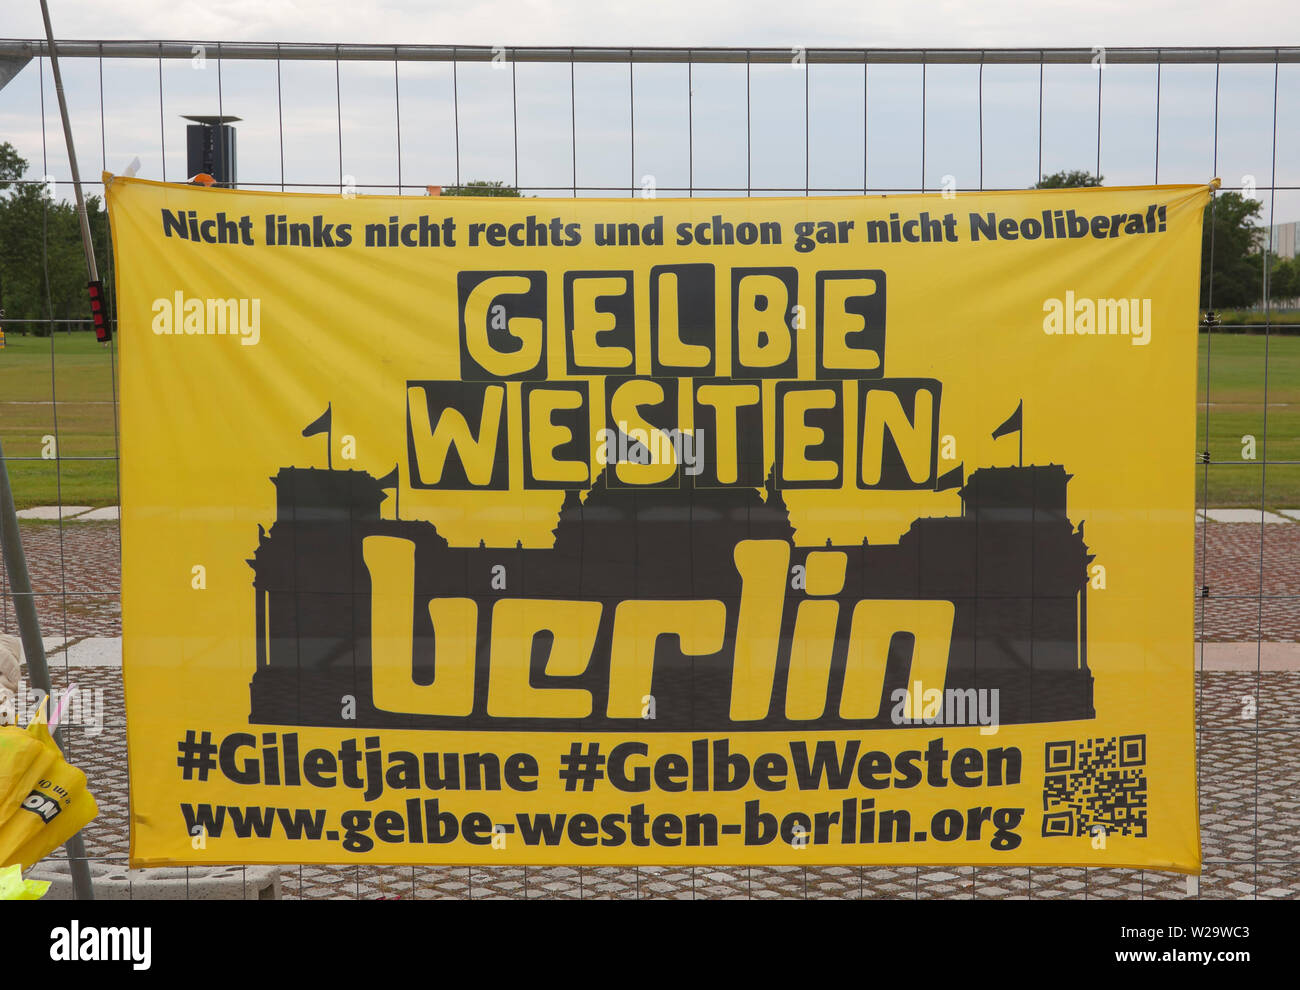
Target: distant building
(1280, 239)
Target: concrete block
(1254, 516)
(93, 651)
(164, 883)
(96, 515)
(51, 512)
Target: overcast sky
(527, 124)
(853, 23)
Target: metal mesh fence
(685, 122)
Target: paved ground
(84, 562)
(1250, 769)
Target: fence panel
(685, 122)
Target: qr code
(1092, 784)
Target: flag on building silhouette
(951, 479)
(324, 423)
(1014, 424)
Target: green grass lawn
(83, 384)
(1236, 409)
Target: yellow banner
(501, 531)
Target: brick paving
(1240, 563)
(83, 558)
(1250, 773)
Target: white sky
(849, 23)
(995, 144)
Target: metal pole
(72, 151)
(30, 630)
(297, 51)
(15, 561)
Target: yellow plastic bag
(23, 761)
(47, 800)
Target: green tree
(1284, 280)
(1230, 258)
(12, 165)
(482, 187)
(1073, 179)
(42, 263)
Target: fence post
(29, 628)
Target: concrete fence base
(196, 883)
